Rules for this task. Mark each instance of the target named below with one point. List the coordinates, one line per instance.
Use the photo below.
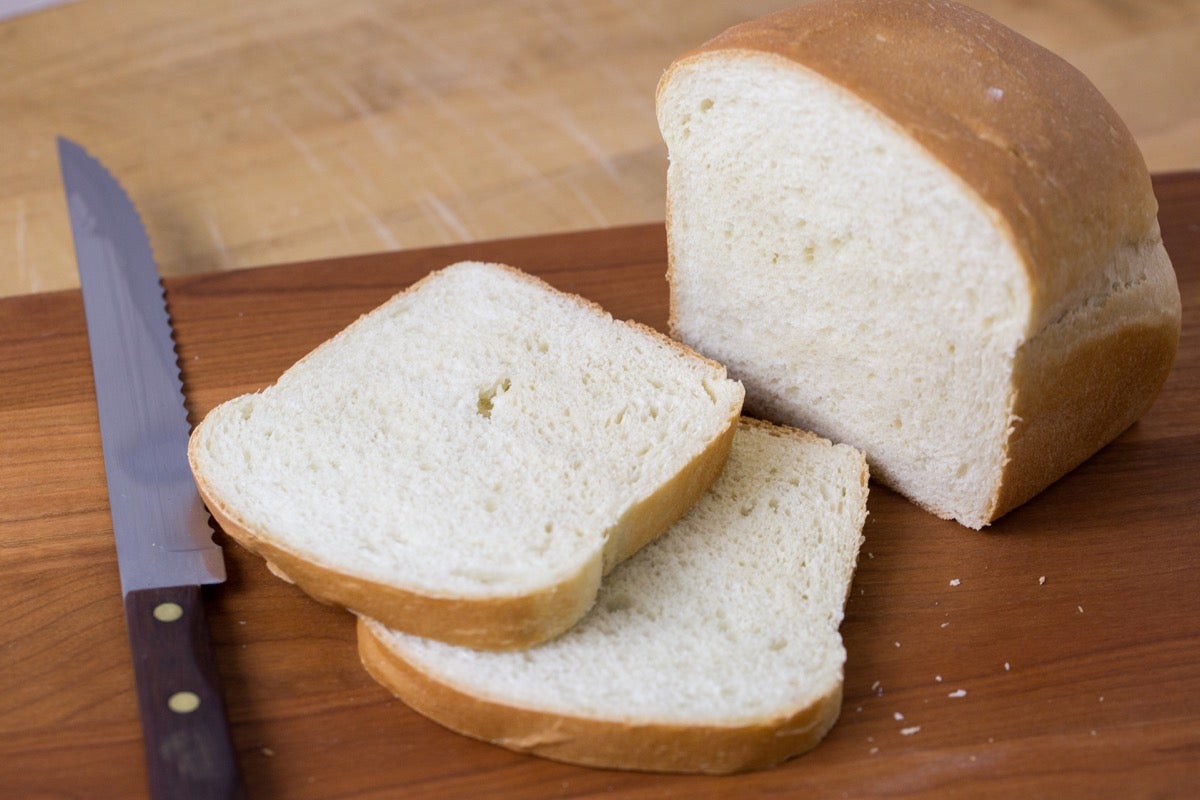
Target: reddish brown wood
(1085, 684)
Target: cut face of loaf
(467, 460)
(908, 228)
(715, 649)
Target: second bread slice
(716, 649)
(466, 461)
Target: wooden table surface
(1057, 654)
(270, 131)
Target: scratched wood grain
(280, 130)
(1052, 656)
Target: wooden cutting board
(1055, 654)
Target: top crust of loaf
(1059, 167)
(467, 460)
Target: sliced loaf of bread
(716, 649)
(466, 461)
(908, 228)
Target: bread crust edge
(646, 746)
(1070, 405)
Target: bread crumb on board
(955, 582)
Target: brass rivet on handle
(168, 612)
(183, 702)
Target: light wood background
(262, 132)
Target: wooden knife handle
(189, 753)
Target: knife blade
(165, 551)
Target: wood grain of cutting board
(1055, 654)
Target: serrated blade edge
(161, 526)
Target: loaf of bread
(715, 649)
(908, 228)
(466, 461)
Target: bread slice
(715, 650)
(908, 228)
(465, 461)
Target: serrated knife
(165, 551)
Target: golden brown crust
(615, 744)
(1022, 128)
(1098, 389)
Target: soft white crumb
(897, 716)
(955, 582)
(897, 644)
(910, 731)
(1007, 666)
(995, 93)
(937, 678)
(958, 693)
(873, 750)
(1080, 609)
(945, 625)
(1042, 581)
